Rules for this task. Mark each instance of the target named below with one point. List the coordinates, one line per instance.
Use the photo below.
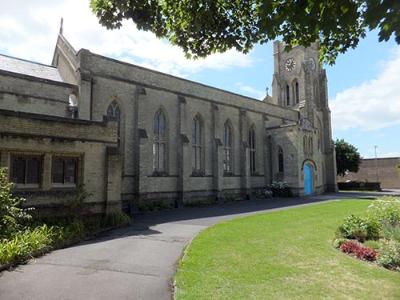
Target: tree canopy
(203, 27)
(347, 157)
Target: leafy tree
(347, 157)
(12, 216)
(203, 27)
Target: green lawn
(281, 255)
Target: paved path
(137, 262)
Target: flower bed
(359, 250)
(374, 237)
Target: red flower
(359, 250)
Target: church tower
(300, 83)
(298, 79)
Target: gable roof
(30, 68)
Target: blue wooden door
(308, 179)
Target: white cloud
(28, 29)
(374, 104)
(251, 91)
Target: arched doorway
(308, 179)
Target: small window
(197, 145)
(228, 152)
(64, 171)
(287, 95)
(160, 143)
(114, 113)
(26, 170)
(252, 147)
(280, 160)
(297, 93)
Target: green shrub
(65, 234)
(201, 202)
(376, 245)
(93, 223)
(148, 205)
(391, 231)
(385, 210)
(281, 189)
(75, 206)
(359, 228)
(229, 196)
(116, 219)
(337, 242)
(74, 230)
(12, 216)
(26, 243)
(389, 255)
(63, 231)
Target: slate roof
(21, 66)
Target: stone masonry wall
(34, 95)
(44, 136)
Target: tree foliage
(347, 157)
(12, 216)
(203, 27)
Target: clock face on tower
(290, 64)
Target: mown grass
(281, 255)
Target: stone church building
(132, 135)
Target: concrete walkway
(137, 262)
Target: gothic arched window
(228, 152)
(287, 95)
(280, 160)
(320, 135)
(295, 91)
(197, 144)
(114, 113)
(252, 147)
(160, 142)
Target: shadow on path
(135, 262)
(209, 215)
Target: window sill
(63, 187)
(256, 175)
(158, 174)
(25, 187)
(230, 175)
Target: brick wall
(384, 170)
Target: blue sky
(364, 84)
